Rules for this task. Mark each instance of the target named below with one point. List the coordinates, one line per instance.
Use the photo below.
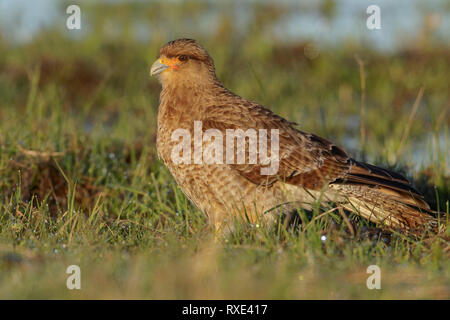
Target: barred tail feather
(393, 215)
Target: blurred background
(300, 58)
(78, 108)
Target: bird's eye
(183, 58)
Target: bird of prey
(310, 169)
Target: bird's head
(183, 61)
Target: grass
(80, 182)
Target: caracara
(309, 169)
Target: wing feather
(306, 160)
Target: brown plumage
(310, 168)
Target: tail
(385, 197)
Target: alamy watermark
(374, 280)
(208, 147)
(74, 20)
(74, 280)
(374, 20)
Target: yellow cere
(167, 61)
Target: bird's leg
(218, 231)
(221, 226)
(222, 230)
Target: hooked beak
(157, 67)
